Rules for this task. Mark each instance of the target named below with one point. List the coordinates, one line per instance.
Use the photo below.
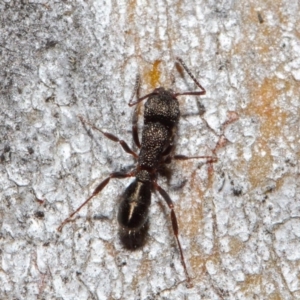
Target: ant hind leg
(167, 198)
(97, 190)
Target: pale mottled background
(239, 225)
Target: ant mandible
(161, 116)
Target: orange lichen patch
(272, 120)
(152, 77)
(275, 296)
(131, 10)
(144, 269)
(135, 282)
(236, 246)
(263, 104)
(260, 165)
(214, 260)
(272, 117)
(110, 249)
(241, 164)
(191, 225)
(191, 219)
(197, 262)
(143, 272)
(252, 284)
(193, 222)
(266, 35)
(195, 187)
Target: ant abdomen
(134, 239)
(133, 214)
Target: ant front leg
(98, 189)
(167, 198)
(135, 135)
(112, 137)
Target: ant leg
(112, 137)
(202, 92)
(209, 159)
(135, 134)
(168, 158)
(135, 90)
(98, 189)
(135, 113)
(167, 154)
(232, 117)
(167, 198)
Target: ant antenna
(136, 87)
(202, 92)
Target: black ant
(161, 116)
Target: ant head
(163, 93)
(162, 106)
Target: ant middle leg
(209, 159)
(110, 136)
(168, 156)
(167, 198)
(97, 190)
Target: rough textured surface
(239, 223)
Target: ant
(161, 116)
